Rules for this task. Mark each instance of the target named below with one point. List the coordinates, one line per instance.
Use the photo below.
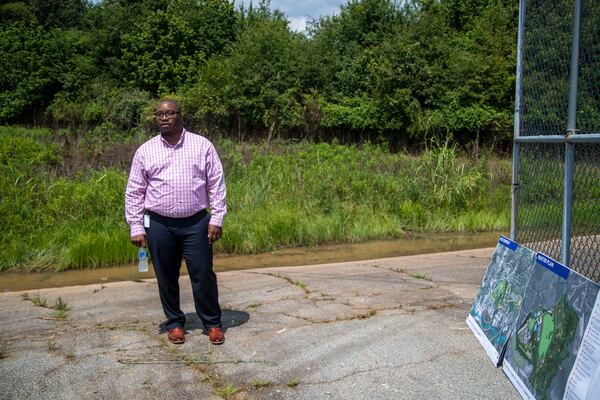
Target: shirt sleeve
(135, 195)
(215, 187)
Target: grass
(302, 286)
(293, 383)
(110, 327)
(291, 194)
(420, 275)
(60, 314)
(259, 384)
(60, 308)
(226, 392)
(60, 305)
(39, 301)
(368, 314)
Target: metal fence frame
(569, 138)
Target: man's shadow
(229, 318)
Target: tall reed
(286, 194)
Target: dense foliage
(395, 72)
(87, 75)
(63, 206)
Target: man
(174, 178)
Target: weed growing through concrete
(61, 308)
(398, 270)
(301, 285)
(368, 314)
(39, 301)
(254, 305)
(226, 392)
(52, 345)
(294, 382)
(110, 327)
(60, 304)
(189, 360)
(327, 297)
(420, 275)
(259, 384)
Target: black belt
(199, 215)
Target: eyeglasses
(168, 114)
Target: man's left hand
(214, 233)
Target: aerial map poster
(550, 328)
(496, 307)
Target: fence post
(571, 130)
(517, 127)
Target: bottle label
(142, 260)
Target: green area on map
(545, 329)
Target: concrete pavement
(390, 328)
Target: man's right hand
(139, 240)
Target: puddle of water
(431, 243)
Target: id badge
(146, 221)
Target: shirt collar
(179, 143)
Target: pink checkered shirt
(175, 181)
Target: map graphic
(549, 329)
(495, 310)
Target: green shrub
(126, 107)
(26, 154)
(93, 112)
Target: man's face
(168, 118)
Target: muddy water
(431, 243)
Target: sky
(300, 11)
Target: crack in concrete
(188, 360)
(275, 289)
(414, 276)
(299, 284)
(399, 271)
(308, 294)
(102, 287)
(207, 371)
(410, 308)
(404, 365)
(369, 313)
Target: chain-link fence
(556, 165)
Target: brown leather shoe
(216, 335)
(176, 335)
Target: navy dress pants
(169, 241)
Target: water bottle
(142, 259)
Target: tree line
(401, 72)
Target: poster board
(550, 329)
(494, 312)
(541, 321)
